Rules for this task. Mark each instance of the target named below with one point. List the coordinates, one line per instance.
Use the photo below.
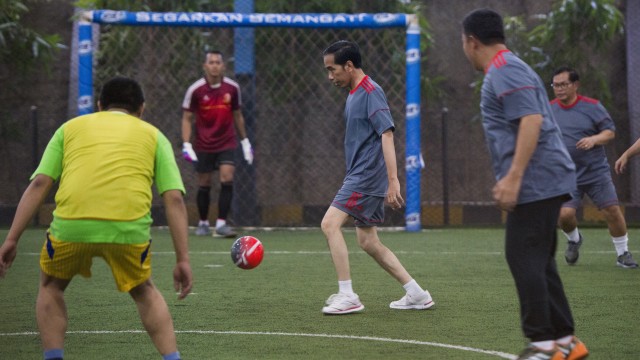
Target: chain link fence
(294, 114)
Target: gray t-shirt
(586, 117)
(510, 91)
(367, 116)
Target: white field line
(268, 333)
(305, 252)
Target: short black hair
(485, 25)
(573, 74)
(121, 92)
(213, 52)
(344, 51)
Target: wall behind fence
(299, 126)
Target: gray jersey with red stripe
(367, 116)
(585, 117)
(510, 91)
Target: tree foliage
(575, 33)
(22, 47)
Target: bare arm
(506, 190)
(394, 196)
(601, 138)
(30, 202)
(621, 163)
(176, 213)
(187, 120)
(239, 121)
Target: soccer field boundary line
(326, 252)
(270, 333)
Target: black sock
(224, 201)
(203, 202)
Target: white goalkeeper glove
(247, 150)
(188, 153)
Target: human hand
(621, 164)
(8, 252)
(506, 191)
(247, 150)
(188, 153)
(394, 197)
(586, 143)
(182, 279)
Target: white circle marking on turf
(352, 337)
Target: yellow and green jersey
(106, 163)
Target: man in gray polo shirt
(534, 174)
(371, 178)
(586, 127)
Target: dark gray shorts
(366, 210)
(208, 162)
(603, 194)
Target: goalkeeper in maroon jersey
(215, 102)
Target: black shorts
(208, 162)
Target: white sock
(203, 222)
(573, 236)
(413, 288)
(345, 287)
(565, 340)
(621, 243)
(544, 345)
(220, 222)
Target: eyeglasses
(562, 85)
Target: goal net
(293, 113)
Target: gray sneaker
(224, 231)
(203, 230)
(626, 261)
(572, 254)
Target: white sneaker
(341, 303)
(409, 302)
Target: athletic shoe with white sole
(626, 261)
(574, 350)
(533, 353)
(409, 302)
(224, 231)
(341, 303)
(203, 229)
(571, 254)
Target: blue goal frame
(413, 156)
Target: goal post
(86, 46)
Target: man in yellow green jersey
(106, 164)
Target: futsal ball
(247, 252)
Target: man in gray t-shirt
(371, 177)
(534, 174)
(586, 127)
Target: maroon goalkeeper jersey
(213, 106)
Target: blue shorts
(209, 162)
(603, 194)
(367, 210)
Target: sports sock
(52, 354)
(412, 288)
(172, 356)
(202, 199)
(220, 222)
(573, 236)
(345, 287)
(203, 222)
(621, 243)
(224, 200)
(544, 345)
(565, 340)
